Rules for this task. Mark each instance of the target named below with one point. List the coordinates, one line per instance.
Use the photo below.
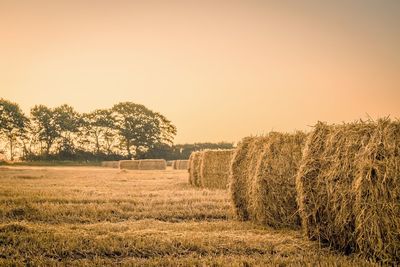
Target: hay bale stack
(325, 180)
(110, 164)
(273, 195)
(152, 164)
(214, 168)
(180, 165)
(194, 168)
(377, 190)
(244, 162)
(129, 164)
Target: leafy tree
(99, 129)
(45, 126)
(140, 128)
(67, 122)
(12, 123)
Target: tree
(67, 122)
(99, 128)
(44, 125)
(12, 123)
(140, 128)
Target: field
(98, 216)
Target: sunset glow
(218, 71)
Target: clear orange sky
(220, 70)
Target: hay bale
(377, 190)
(194, 168)
(129, 164)
(110, 164)
(181, 165)
(262, 179)
(272, 200)
(170, 163)
(173, 164)
(325, 180)
(152, 164)
(243, 166)
(214, 168)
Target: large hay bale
(272, 200)
(243, 167)
(129, 164)
(325, 179)
(263, 176)
(152, 164)
(194, 168)
(214, 168)
(180, 165)
(377, 190)
(110, 164)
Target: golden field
(85, 216)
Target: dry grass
(97, 216)
(214, 168)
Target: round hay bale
(129, 164)
(377, 190)
(325, 179)
(214, 168)
(110, 164)
(194, 168)
(181, 165)
(244, 162)
(152, 164)
(272, 200)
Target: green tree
(44, 126)
(12, 123)
(140, 128)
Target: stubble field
(85, 216)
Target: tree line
(126, 130)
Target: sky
(219, 70)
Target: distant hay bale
(263, 179)
(152, 164)
(129, 164)
(173, 164)
(325, 181)
(180, 165)
(194, 168)
(214, 168)
(170, 163)
(377, 195)
(110, 164)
